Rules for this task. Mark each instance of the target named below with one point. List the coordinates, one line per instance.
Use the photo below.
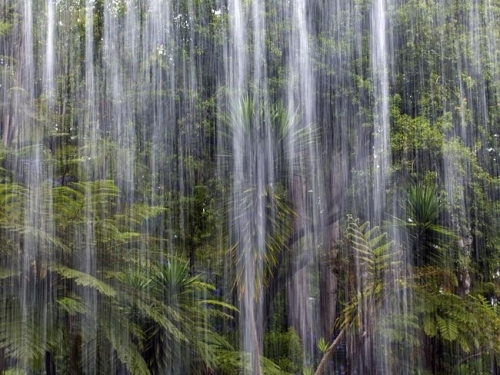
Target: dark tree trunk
(328, 301)
(2, 361)
(50, 366)
(329, 280)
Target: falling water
(183, 185)
(379, 64)
(377, 351)
(307, 189)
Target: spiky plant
(428, 238)
(256, 137)
(176, 313)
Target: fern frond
(72, 305)
(136, 214)
(464, 344)
(448, 328)
(121, 334)
(83, 279)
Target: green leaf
(72, 305)
(447, 328)
(5, 27)
(120, 332)
(464, 344)
(322, 345)
(84, 279)
(430, 327)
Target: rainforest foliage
(125, 240)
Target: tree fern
(374, 261)
(174, 311)
(83, 279)
(373, 256)
(46, 287)
(449, 317)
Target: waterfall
(249, 187)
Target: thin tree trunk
(328, 301)
(328, 283)
(276, 278)
(6, 129)
(255, 354)
(329, 352)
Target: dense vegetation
(181, 194)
